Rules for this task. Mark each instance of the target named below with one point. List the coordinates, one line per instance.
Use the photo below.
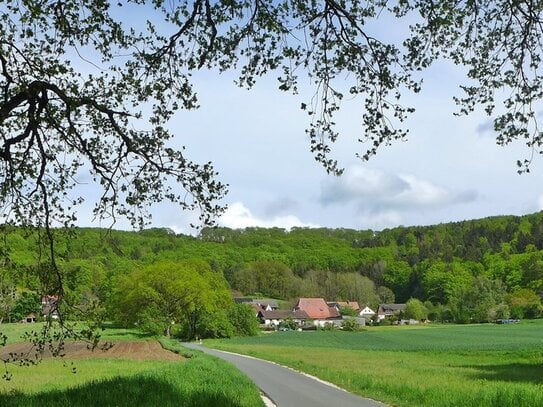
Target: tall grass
(483, 365)
(199, 381)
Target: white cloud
(376, 191)
(359, 183)
(238, 216)
(419, 192)
(381, 220)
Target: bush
(385, 322)
(348, 311)
(415, 309)
(215, 325)
(350, 325)
(329, 326)
(288, 323)
(242, 317)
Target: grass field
(200, 380)
(15, 332)
(457, 365)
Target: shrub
(348, 311)
(329, 326)
(350, 325)
(242, 318)
(288, 323)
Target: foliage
(438, 312)
(415, 309)
(166, 293)
(308, 262)
(26, 303)
(348, 311)
(242, 318)
(51, 106)
(288, 323)
(350, 325)
(328, 326)
(525, 303)
(211, 325)
(479, 303)
(7, 296)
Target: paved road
(287, 388)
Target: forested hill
(433, 263)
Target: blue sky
(450, 169)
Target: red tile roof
(316, 308)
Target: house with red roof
(319, 311)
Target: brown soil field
(137, 350)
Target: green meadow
(199, 380)
(15, 332)
(439, 365)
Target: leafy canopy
(162, 294)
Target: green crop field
(456, 365)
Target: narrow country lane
(287, 388)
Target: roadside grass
(201, 380)
(455, 365)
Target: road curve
(287, 388)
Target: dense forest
(470, 271)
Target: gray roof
(264, 302)
(391, 308)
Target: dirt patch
(136, 350)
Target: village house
(257, 304)
(319, 311)
(268, 305)
(366, 312)
(389, 310)
(273, 318)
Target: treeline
(464, 271)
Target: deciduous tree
(164, 294)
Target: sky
(449, 169)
